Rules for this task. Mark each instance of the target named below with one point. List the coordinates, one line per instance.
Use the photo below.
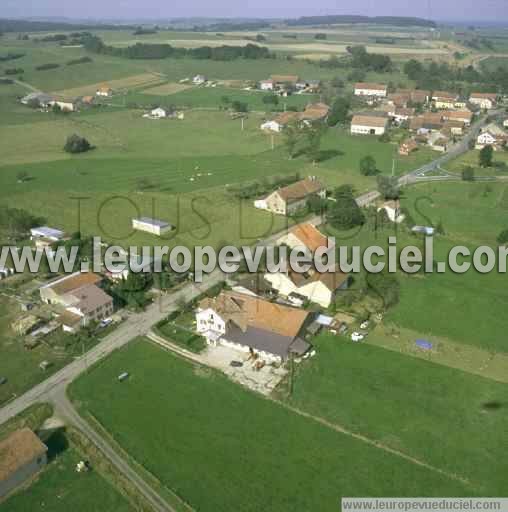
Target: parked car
(236, 364)
(105, 323)
(356, 337)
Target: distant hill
(50, 26)
(351, 19)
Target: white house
(267, 85)
(483, 100)
(64, 105)
(158, 113)
(281, 121)
(319, 288)
(199, 80)
(105, 92)
(252, 325)
(371, 89)
(392, 209)
(365, 124)
(153, 226)
(491, 135)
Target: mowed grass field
(221, 447)
(212, 97)
(451, 419)
(60, 489)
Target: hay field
(166, 89)
(130, 82)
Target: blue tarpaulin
(426, 345)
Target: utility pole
(242, 124)
(273, 141)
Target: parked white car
(356, 336)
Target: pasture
(221, 447)
(446, 417)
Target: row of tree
(163, 51)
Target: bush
(82, 60)
(502, 238)
(76, 144)
(45, 67)
(468, 174)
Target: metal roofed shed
(154, 226)
(46, 232)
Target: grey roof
(266, 341)
(153, 222)
(39, 96)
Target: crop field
(130, 82)
(263, 456)
(451, 419)
(60, 489)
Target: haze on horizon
(457, 10)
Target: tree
(321, 36)
(292, 135)
(413, 69)
(240, 106)
(486, 156)
(76, 144)
(22, 176)
(368, 166)
(468, 174)
(388, 186)
(271, 99)
(502, 238)
(314, 135)
(339, 111)
(385, 286)
(344, 213)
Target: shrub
(76, 144)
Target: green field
(60, 488)
(211, 97)
(221, 447)
(431, 412)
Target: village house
(369, 124)
(371, 89)
(505, 123)
(64, 105)
(400, 114)
(492, 135)
(283, 81)
(105, 92)
(199, 80)
(444, 100)
(315, 112)
(304, 236)
(152, 226)
(393, 211)
(398, 99)
(81, 298)
(438, 141)
(267, 85)
(465, 116)
(22, 456)
(429, 121)
(281, 121)
(317, 287)
(253, 325)
(310, 86)
(483, 99)
(288, 200)
(454, 127)
(407, 147)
